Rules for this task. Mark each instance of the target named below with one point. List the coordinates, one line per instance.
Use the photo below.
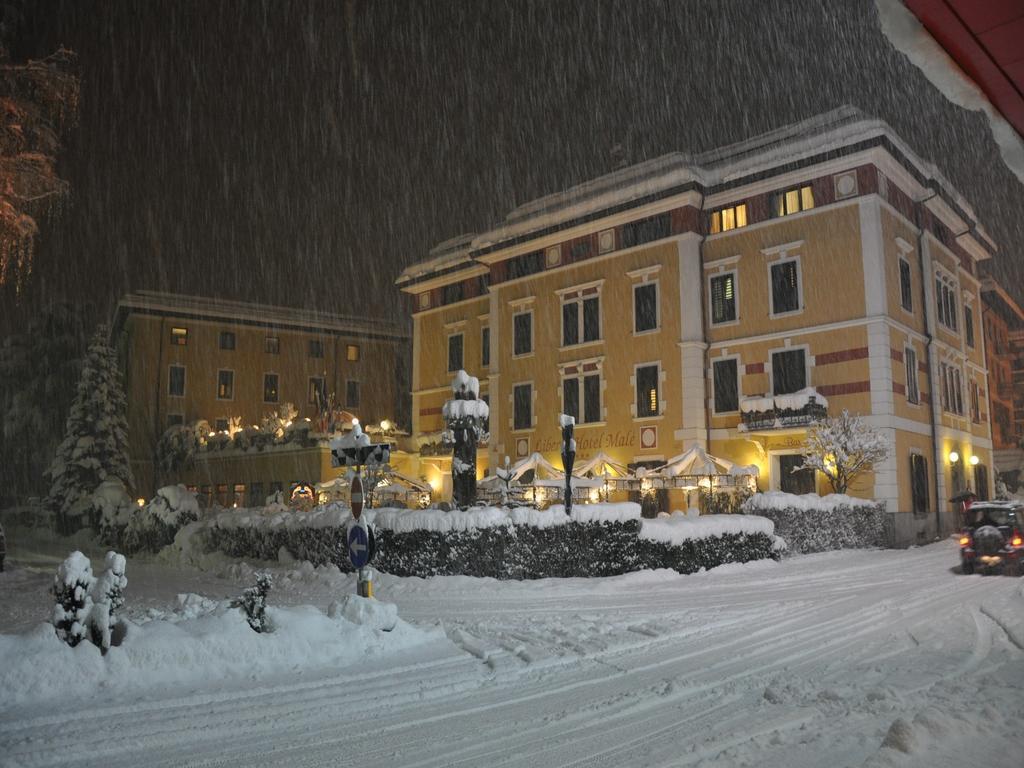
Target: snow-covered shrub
(176, 449)
(812, 523)
(154, 526)
(71, 588)
(108, 597)
(113, 507)
(843, 448)
(722, 502)
(254, 602)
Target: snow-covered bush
(154, 526)
(176, 449)
(723, 502)
(71, 588)
(254, 602)
(112, 506)
(812, 523)
(108, 597)
(596, 540)
(843, 448)
(95, 446)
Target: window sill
(659, 417)
(524, 431)
(725, 323)
(648, 332)
(524, 356)
(790, 313)
(581, 345)
(725, 413)
(584, 425)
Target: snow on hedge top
(679, 527)
(173, 500)
(808, 502)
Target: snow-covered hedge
(812, 523)
(596, 540)
(152, 527)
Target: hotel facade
(727, 300)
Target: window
(729, 218)
(906, 292)
(791, 478)
(981, 481)
(789, 371)
(225, 385)
(645, 307)
(221, 425)
(792, 201)
(969, 326)
(227, 340)
(352, 353)
(179, 337)
(176, 381)
(317, 391)
(919, 484)
(945, 300)
(238, 495)
(316, 348)
(272, 345)
(975, 402)
(590, 384)
(522, 406)
(581, 318)
(455, 352)
(785, 286)
(175, 420)
(522, 333)
(527, 264)
(257, 498)
(910, 363)
(647, 400)
(452, 293)
(952, 394)
(723, 298)
(727, 397)
(646, 230)
(485, 347)
(351, 394)
(270, 392)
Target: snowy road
(817, 661)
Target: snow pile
(214, 648)
(679, 527)
(808, 502)
(794, 401)
(366, 612)
(155, 525)
(454, 410)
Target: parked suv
(991, 538)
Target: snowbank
(812, 523)
(808, 502)
(218, 646)
(679, 528)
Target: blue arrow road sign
(358, 546)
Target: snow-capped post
(465, 417)
(567, 423)
(354, 450)
(842, 448)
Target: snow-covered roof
(442, 257)
(203, 307)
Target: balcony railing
(799, 409)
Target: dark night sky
(304, 152)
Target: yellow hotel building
(695, 299)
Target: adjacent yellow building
(727, 300)
(190, 359)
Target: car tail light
(965, 540)
(1016, 540)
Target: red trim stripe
(850, 388)
(841, 356)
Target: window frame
(968, 315)
(780, 196)
(906, 296)
(184, 379)
(580, 377)
(358, 391)
(232, 396)
(277, 388)
(714, 384)
(805, 348)
(772, 313)
(946, 287)
(734, 273)
(577, 296)
(910, 354)
(512, 395)
(716, 223)
(272, 348)
(655, 283)
(224, 336)
(529, 352)
(485, 346)
(660, 410)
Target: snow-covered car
(992, 538)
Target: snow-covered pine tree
(108, 596)
(95, 445)
(465, 417)
(843, 448)
(71, 588)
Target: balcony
(792, 412)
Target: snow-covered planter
(812, 523)
(153, 527)
(520, 543)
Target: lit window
(647, 401)
(729, 218)
(352, 353)
(179, 337)
(723, 298)
(225, 385)
(317, 391)
(792, 201)
(270, 392)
